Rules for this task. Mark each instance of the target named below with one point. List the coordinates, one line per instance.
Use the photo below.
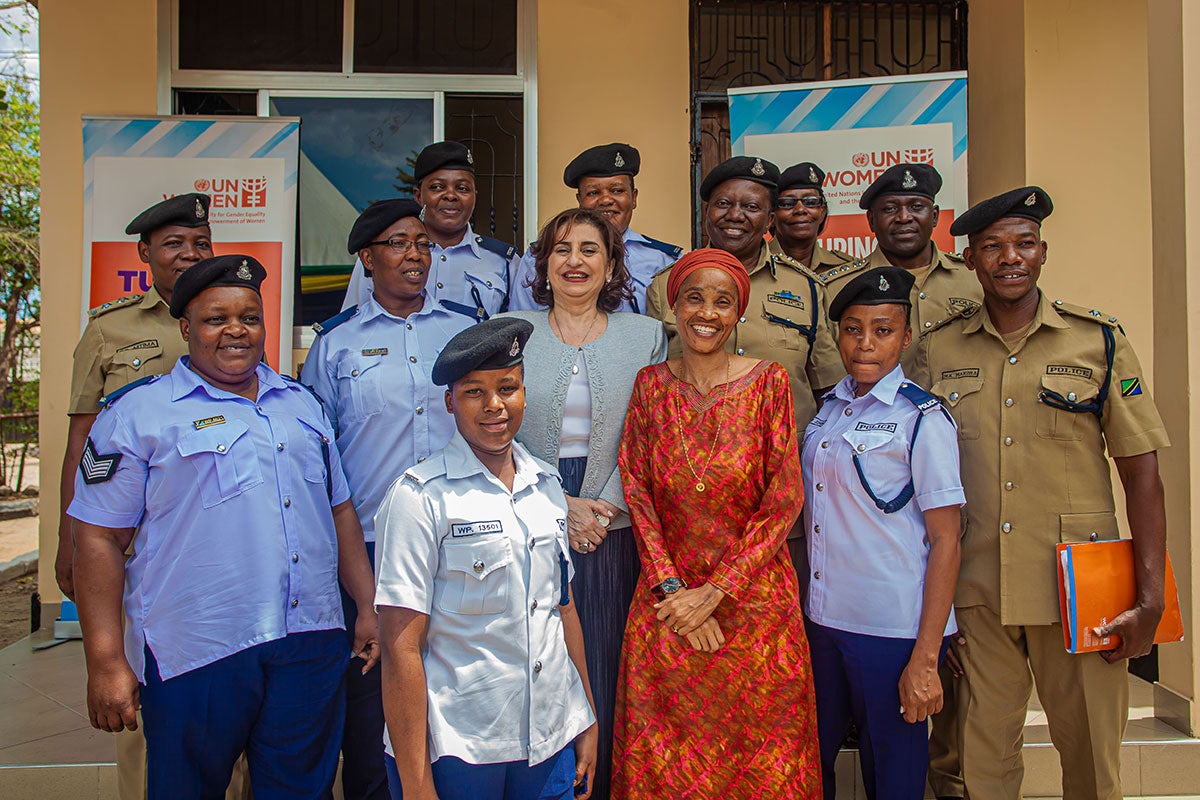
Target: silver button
(825, 445)
(1008, 401)
(820, 487)
(928, 324)
(1012, 359)
(817, 575)
(443, 259)
(353, 373)
(1007, 441)
(489, 283)
(295, 557)
(408, 325)
(862, 447)
(741, 352)
(279, 447)
(413, 359)
(1006, 527)
(537, 666)
(137, 362)
(295, 602)
(1008, 486)
(921, 295)
(258, 408)
(420, 459)
(440, 286)
(953, 396)
(816, 528)
(287, 502)
(743, 319)
(420, 409)
(1093, 536)
(220, 448)
(1071, 396)
(848, 412)
(478, 566)
(533, 606)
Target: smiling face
(612, 196)
(170, 250)
(1007, 257)
(449, 199)
(797, 227)
(871, 339)
(737, 217)
(488, 408)
(706, 310)
(224, 330)
(903, 224)
(399, 277)
(579, 265)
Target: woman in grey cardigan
(580, 366)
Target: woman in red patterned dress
(715, 698)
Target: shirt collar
(370, 308)
(461, 462)
(152, 298)
(1045, 315)
(630, 235)
(184, 382)
(884, 391)
(878, 259)
(468, 240)
(764, 256)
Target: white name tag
(459, 529)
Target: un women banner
(248, 166)
(854, 130)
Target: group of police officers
(1039, 390)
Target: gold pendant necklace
(699, 476)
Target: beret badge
(516, 347)
(1032, 199)
(909, 181)
(199, 210)
(883, 284)
(758, 168)
(812, 175)
(243, 271)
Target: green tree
(20, 197)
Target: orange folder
(1096, 583)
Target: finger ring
(675, 628)
(602, 520)
(585, 546)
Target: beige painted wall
(97, 58)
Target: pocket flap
(217, 439)
(479, 559)
(136, 358)
(1077, 390)
(1093, 527)
(952, 391)
(866, 441)
(355, 365)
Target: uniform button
(137, 362)
(258, 408)
(353, 373)
(817, 575)
(220, 448)
(848, 412)
(743, 319)
(420, 409)
(295, 602)
(928, 324)
(295, 557)
(1006, 527)
(1012, 359)
(820, 487)
(862, 448)
(443, 259)
(440, 286)
(1008, 441)
(1008, 401)
(741, 352)
(489, 283)
(533, 606)
(420, 459)
(408, 325)
(477, 566)
(532, 542)
(1071, 396)
(921, 296)
(279, 447)
(816, 528)
(825, 445)
(537, 666)
(1093, 536)
(1008, 486)
(287, 502)
(953, 396)
(413, 359)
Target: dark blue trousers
(281, 702)
(455, 779)
(363, 773)
(856, 678)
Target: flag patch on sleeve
(1131, 386)
(97, 468)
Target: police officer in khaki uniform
(785, 319)
(800, 216)
(1040, 390)
(902, 213)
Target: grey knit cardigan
(630, 342)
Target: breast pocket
(315, 452)
(128, 366)
(476, 577)
(787, 328)
(360, 387)
(1055, 423)
(964, 398)
(883, 457)
(225, 461)
(490, 286)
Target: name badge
(375, 351)
(208, 422)
(460, 529)
(1067, 369)
(144, 344)
(951, 374)
(890, 427)
(786, 299)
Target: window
(424, 36)
(260, 35)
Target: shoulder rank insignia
(97, 468)
(505, 251)
(325, 327)
(108, 399)
(1086, 313)
(120, 302)
(671, 250)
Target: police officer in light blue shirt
(470, 272)
(223, 476)
(602, 178)
(883, 493)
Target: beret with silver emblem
(497, 343)
(750, 168)
(805, 175)
(443, 155)
(875, 287)
(186, 210)
(377, 218)
(1028, 202)
(603, 161)
(235, 270)
(918, 179)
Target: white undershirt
(577, 414)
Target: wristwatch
(668, 587)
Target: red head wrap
(717, 259)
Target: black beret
(497, 343)
(750, 168)
(919, 179)
(377, 218)
(443, 155)
(187, 210)
(875, 287)
(241, 271)
(1028, 202)
(805, 175)
(603, 161)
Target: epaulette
(844, 256)
(955, 257)
(325, 327)
(923, 400)
(302, 385)
(845, 269)
(108, 399)
(505, 251)
(962, 313)
(672, 250)
(111, 305)
(1087, 313)
(784, 258)
(662, 271)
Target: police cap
(918, 179)
(750, 168)
(603, 161)
(233, 270)
(1028, 202)
(443, 155)
(497, 343)
(377, 218)
(805, 175)
(186, 210)
(875, 287)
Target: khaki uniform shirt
(943, 288)
(1034, 475)
(822, 260)
(781, 302)
(126, 339)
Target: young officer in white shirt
(485, 686)
(883, 494)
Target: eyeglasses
(809, 201)
(402, 246)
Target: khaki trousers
(1085, 698)
(131, 768)
(945, 771)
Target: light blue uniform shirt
(643, 260)
(867, 568)
(373, 373)
(235, 543)
(487, 566)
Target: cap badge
(758, 168)
(516, 347)
(883, 284)
(909, 181)
(199, 210)
(812, 174)
(618, 161)
(470, 158)
(244, 272)
(1032, 199)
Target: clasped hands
(688, 613)
(585, 529)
